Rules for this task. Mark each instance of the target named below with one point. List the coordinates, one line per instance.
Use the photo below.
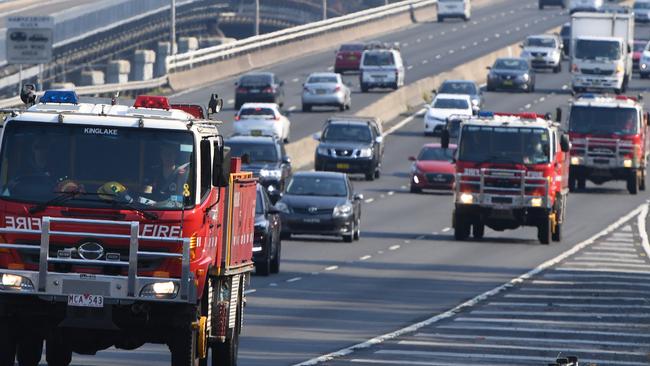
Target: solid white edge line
(471, 303)
(403, 122)
(642, 230)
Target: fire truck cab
(511, 171)
(608, 141)
(120, 226)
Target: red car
(348, 57)
(639, 46)
(433, 168)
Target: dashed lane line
(331, 268)
(294, 279)
(365, 257)
(394, 247)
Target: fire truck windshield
(144, 168)
(603, 120)
(513, 145)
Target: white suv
(381, 68)
(454, 9)
(543, 51)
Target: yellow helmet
(110, 190)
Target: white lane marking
(560, 314)
(588, 257)
(554, 297)
(601, 247)
(567, 305)
(390, 193)
(627, 228)
(438, 57)
(608, 270)
(451, 52)
(420, 237)
(555, 322)
(394, 247)
(294, 279)
(369, 200)
(409, 67)
(472, 302)
(599, 342)
(628, 235)
(546, 330)
(231, 101)
(641, 222)
(330, 68)
(403, 122)
(295, 80)
(590, 283)
(365, 257)
(331, 268)
(251, 291)
(406, 44)
(292, 108)
(446, 229)
(605, 264)
(475, 44)
(583, 290)
(424, 62)
(483, 356)
(593, 253)
(380, 252)
(273, 284)
(527, 106)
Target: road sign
(29, 40)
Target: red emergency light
(194, 110)
(625, 97)
(152, 102)
(523, 115)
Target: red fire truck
(120, 226)
(608, 141)
(511, 171)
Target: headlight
(365, 152)
(644, 66)
(466, 198)
(575, 160)
(416, 180)
(524, 77)
(271, 173)
(15, 282)
(536, 201)
(167, 290)
(475, 102)
(343, 210)
(282, 207)
(627, 163)
(619, 69)
(323, 151)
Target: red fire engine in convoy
(121, 226)
(511, 171)
(608, 141)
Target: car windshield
(436, 153)
(458, 88)
(145, 167)
(322, 79)
(510, 64)
(639, 46)
(597, 49)
(351, 47)
(504, 145)
(448, 103)
(255, 80)
(378, 59)
(259, 209)
(257, 113)
(345, 132)
(317, 186)
(603, 120)
(257, 152)
(540, 42)
(641, 5)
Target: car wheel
(341, 107)
(263, 267)
(377, 173)
(364, 88)
(370, 176)
(357, 232)
(306, 108)
(415, 189)
(440, 19)
(490, 87)
(275, 262)
(348, 238)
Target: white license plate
(86, 301)
(311, 221)
(321, 91)
(255, 90)
(379, 76)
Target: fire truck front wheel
(633, 181)
(57, 352)
(7, 343)
(225, 354)
(462, 227)
(183, 347)
(478, 230)
(544, 230)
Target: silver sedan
(325, 89)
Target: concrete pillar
(91, 77)
(143, 61)
(118, 71)
(160, 67)
(187, 44)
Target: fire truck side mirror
(646, 115)
(558, 114)
(220, 165)
(28, 94)
(214, 105)
(444, 138)
(565, 144)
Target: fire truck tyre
(7, 344)
(461, 228)
(275, 262)
(544, 230)
(582, 183)
(225, 354)
(183, 347)
(633, 183)
(348, 238)
(557, 234)
(263, 267)
(29, 350)
(642, 184)
(478, 230)
(57, 352)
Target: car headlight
(619, 69)
(466, 198)
(343, 210)
(365, 152)
(575, 160)
(271, 173)
(524, 77)
(323, 151)
(536, 201)
(15, 283)
(282, 207)
(475, 102)
(627, 163)
(165, 290)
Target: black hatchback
(511, 73)
(321, 203)
(267, 247)
(259, 87)
(351, 145)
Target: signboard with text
(30, 39)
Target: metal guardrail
(216, 53)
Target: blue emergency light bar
(60, 96)
(485, 114)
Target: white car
(543, 51)
(454, 9)
(325, 89)
(262, 119)
(443, 106)
(381, 68)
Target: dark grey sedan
(511, 73)
(320, 203)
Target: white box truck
(601, 51)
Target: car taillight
(242, 90)
(268, 90)
(337, 89)
(277, 118)
(237, 118)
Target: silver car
(325, 89)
